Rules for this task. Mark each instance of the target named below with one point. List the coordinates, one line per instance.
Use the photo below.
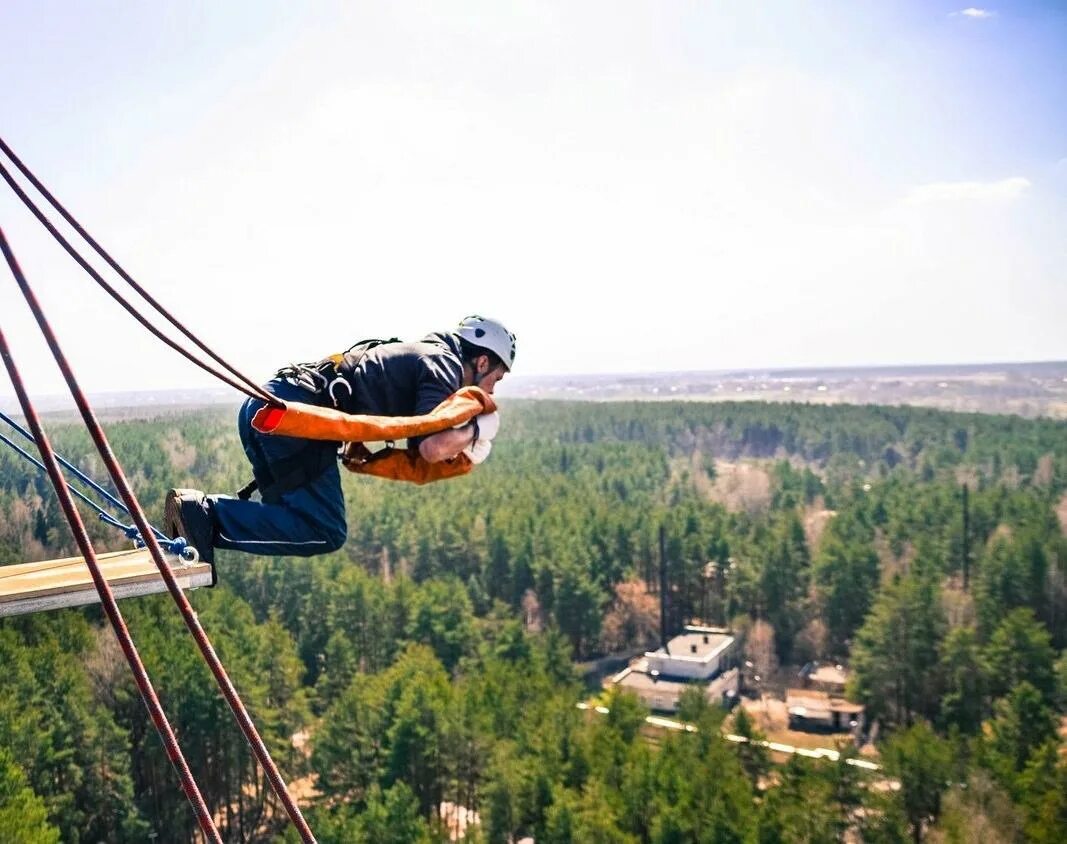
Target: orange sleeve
(325, 423)
(408, 465)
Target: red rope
(134, 507)
(107, 598)
(249, 388)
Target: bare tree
(633, 620)
(531, 612)
(811, 642)
(759, 649)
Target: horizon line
(764, 370)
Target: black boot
(187, 514)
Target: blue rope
(85, 479)
(173, 546)
(103, 515)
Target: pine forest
(447, 672)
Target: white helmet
(489, 334)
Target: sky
(629, 186)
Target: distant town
(1027, 389)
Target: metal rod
(118, 477)
(966, 539)
(664, 601)
(107, 599)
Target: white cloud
(975, 14)
(1005, 189)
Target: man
(374, 387)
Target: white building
(701, 656)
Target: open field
(1028, 389)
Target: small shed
(812, 709)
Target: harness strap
(331, 375)
(293, 472)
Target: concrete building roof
(697, 643)
(641, 681)
(637, 680)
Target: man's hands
(478, 450)
(487, 424)
(473, 439)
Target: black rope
(249, 388)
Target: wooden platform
(49, 585)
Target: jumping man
(377, 390)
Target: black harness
(332, 375)
(329, 379)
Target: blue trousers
(303, 522)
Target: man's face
(489, 376)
